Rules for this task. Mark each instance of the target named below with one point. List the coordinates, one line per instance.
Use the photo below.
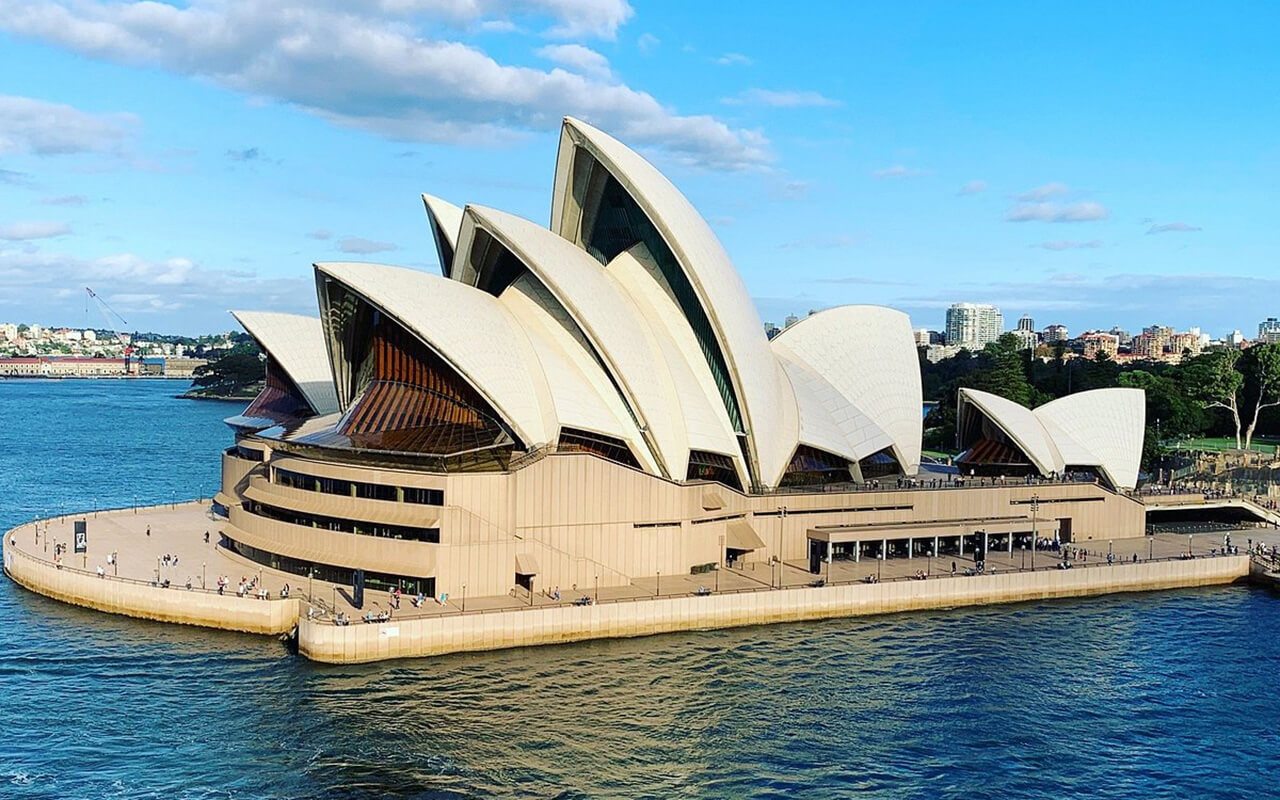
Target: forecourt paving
(133, 584)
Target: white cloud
(1053, 212)
(25, 231)
(648, 43)
(972, 187)
(385, 68)
(65, 200)
(782, 99)
(358, 244)
(1173, 227)
(28, 125)
(582, 60)
(320, 234)
(1043, 192)
(183, 295)
(899, 171)
(1069, 244)
(734, 60)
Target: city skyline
(179, 178)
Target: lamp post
(658, 593)
(782, 523)
(1035, 507)
(1151, 549)
(597, 589)
(203, 575)
(718, 565)
(464, 598)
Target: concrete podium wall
(144, 601)
(323, 641)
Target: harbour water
(1165, 695)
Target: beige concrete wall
(584, 518)
(235, 471)
(538, 626)
(206, 609)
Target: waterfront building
(973, 325)
(597, 402)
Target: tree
(1263, 364)
(1004, 372)
(1215, 380)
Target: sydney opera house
(597, 400)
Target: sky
(1090, 164)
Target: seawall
(438, 635)
(145, 601)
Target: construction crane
(107, 313)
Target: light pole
(597, 589)
(1151, 549)
(658, 593)
(782, 523)
(464, 598)
(203, 575)
(1035, 507)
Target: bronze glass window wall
(358, 527)
(361, 489)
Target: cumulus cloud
(582, 60)
(972, 187)
(385, 67)
(25, 231)
(1069, 244)
(1044, 192)
(898, 171)
(782, 99)
(358, 244)
(1173, 227)
(28, 125)
(1054, 212)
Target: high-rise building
(1026, 323)
(973, 325)
(791, 319)
(1095, 343)
(1269, 330)
(1056, 333)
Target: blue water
(1168, 695)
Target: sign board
(357, 589)
(82, 535)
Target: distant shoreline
(222, 398)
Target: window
(381, 530)
(365, 491)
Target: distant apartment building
(925, 337)
(1096, 342)
(791, 319)
(1235, 339)
(9, 332)
(1122, 335)
(1184, 344)
(1056, 333)
(1146, 345)
(1027, 338)
(1026, 323)
(771, 330)
(1269, 331)
(973, 325)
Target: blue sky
(1085, 163)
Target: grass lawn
(1261, 444)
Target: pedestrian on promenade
(148, 530)
(206, 537)
(102, 573)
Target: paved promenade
(179, 531)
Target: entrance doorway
(817, 550)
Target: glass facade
(367, 491)
(408, 584)
(380, 529)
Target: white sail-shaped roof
(612, 323)
(1102, 428)
(761, 389)
(470, 330)
(828, 421)
(445, 219)
(868, 355)
(1108, 423)
(1021, 425)
(296, 344)
(584, 397)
